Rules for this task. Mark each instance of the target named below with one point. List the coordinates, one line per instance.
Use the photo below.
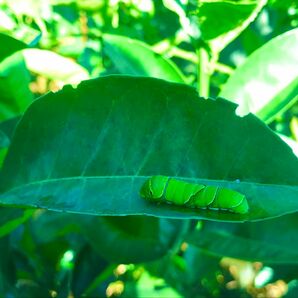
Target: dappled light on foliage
(148, 148)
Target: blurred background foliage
(48, 43)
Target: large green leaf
(290, 142)
(89, 150)
(267, 82)
(142, 238)
(86, 277)
(271, 241)
(134, 57)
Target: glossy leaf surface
(274, 86)
(95, 146)
(134, 57)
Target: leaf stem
(203, 72)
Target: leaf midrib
(187, 179)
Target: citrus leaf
(134, 57)
(89, 150)
(269, 91)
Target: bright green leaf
(54, 66)
(207, 20)
(267, 82)
(15, 95)
(134, 57)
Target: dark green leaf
(89, 150)
(56, 225)
(142, 238)
(292, 289)
(9, 46)
(7, 269)
(192, 272)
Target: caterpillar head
(153, 189)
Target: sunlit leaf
(54, 66)
(134, 57)
(267, 82)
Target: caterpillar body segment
(172, 191)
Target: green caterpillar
(172, 191)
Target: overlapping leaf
(134, 57)
(270, 241)
(267, 82)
